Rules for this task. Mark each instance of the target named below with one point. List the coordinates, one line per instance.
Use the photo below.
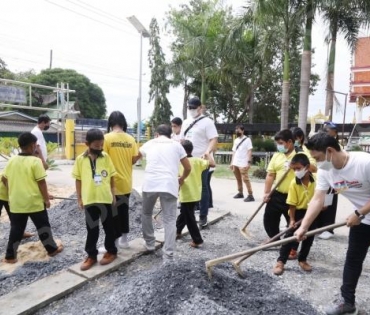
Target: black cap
(330, 125)
(195, 101)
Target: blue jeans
(358, 245)
(204, 201)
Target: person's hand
(231, 167)
(300, 234)
(266, 197)
(114, 201)
(353, 220)
(46, 166)
(291, 223)
(80, 204)
(181, 181)
(51, 197)
(47, 204)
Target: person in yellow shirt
(300, 193)
(190, 194)
(123, 151)
(24, 176)
(94, 171)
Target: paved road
(223, 192)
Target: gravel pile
(148, 287)
(68, 225)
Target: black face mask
(238, 134)
(46, 128)
(95, 151)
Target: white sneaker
(325, 235)
(149, 248)
(102, 250)
(123, 243)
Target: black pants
(275, 208)
(210, 189)
(18, 224)
(5, 204)
(93, 213)
(187, 217)
(327, 216)
(358, 246)
(306, 244)
(121, 218)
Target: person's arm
(38, 154)
(314, 208)
(187, 168)
(232, 161)
(209, 158)
(79, 196)
(292, 210)
(5, 181)
(353, 218)
(269, 181)
(112, 189)
(250, 158)
(212, 145)
(44, 192)
(136, 158)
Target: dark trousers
(18, 224)
(204, 201)
(275, 208)
(358, 246)
(327, 216)
(121, 215)
(187, 217)
(306, 244)
(210, 205)
(5, 204)
(93, 213)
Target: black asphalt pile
(68, 225)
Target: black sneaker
(239, 195)
(249, 198)
(341, 307)
(203, 221)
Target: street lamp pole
(344, 113)
(143, 33)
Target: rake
(220, 260)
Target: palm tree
(346, 16)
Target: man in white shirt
(43, 124)
(176, 124)
(349, 174)
(163, 158)
(241, 162)
(202, 132)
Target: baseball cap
(330, 125)
(194, 102)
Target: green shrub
(262, 145)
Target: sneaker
(278, 269)
(57, 251)
(149, 248)
(10, 260)
(203, 221)
(249, 198)
(108, 258)
(123, 243)
(341, 307)
(305, 266)
(88, 263)
(293, 254)
(239, 195)
(326, 235)
(195, 245)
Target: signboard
(12, 94)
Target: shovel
(236, 263)
(243, 229)
(220, 260)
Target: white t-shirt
(40, 141)
(176, 137)
(241, 154)
(163, 157)
(353, 181)
(200, 134)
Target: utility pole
(51, 59)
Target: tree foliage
(159, 85)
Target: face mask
(46, 128)
(238, 134)
(301, 173)
(281, 148)
(325, 165)
(297, 143)
(95, 151)
(193, 113)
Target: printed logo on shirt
(104, 173)
(343, 185)
(121, 145)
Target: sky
(96, 39)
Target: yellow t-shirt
(300, 195)
(121, 148)
(23, 172)
(91, 191)
(191, 190)
(3, 190)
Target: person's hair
(300, 158)
(177, 121)
(116, 118)
(164, 130)
(284, 135)
(25, 139)
(241, 127)
(321, 141)
(188, 147)
(195, 101)
(43, 119)
(94, 135)
(298, 133)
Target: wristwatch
(359, 215)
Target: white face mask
(301, 173)
(325, 165)
(193, 113)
